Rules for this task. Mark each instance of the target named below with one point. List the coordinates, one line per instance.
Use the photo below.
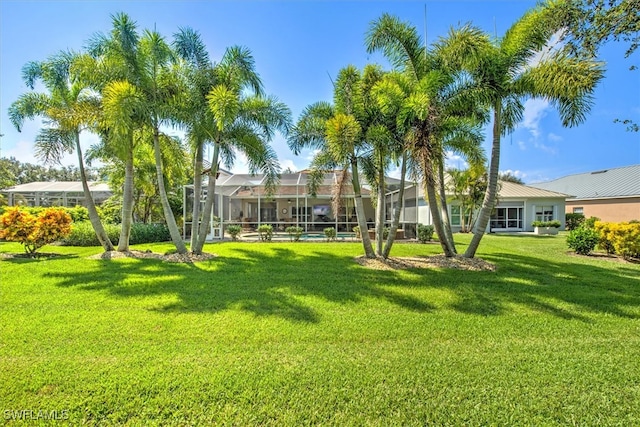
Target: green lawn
(298, 334)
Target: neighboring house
(518, 206)
(61, 193)
(611, 194)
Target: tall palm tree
(110, 69)
(432, 110)
(69, 109)
(202, 116)
(507, 71)
(142, 84)
(340, 132)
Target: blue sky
(299, 45)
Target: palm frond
(399, 42)
(52, 144)
(310, 130)
(189, 45)
(28, 106)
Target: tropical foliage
(33, 232)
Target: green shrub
(294, 233)
(234, 230)
(555, 223)
(330, 234)
(583, 240)
(82, 234)
(425, 233)
(573, 221)
(356, 230)
(590, 222)
(265, 231)
(148, 233)
(385, 233)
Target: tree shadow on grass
(275, 282)
(263, 283)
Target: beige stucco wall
(611, 210)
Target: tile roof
(609, 183)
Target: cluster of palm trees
(435, 100)
(129, 86)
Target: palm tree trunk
(380, 208)
(492, 186)
(166, 208)
(432, 199)
(197, 191)
(444, 211)
(396, 214)
(362, 221)
(208, 204)
(127, 201)
(101, 234)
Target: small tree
(34, 232)
(265, 231)
(294, 233)
(233, 231)
(425, 233)
(330, 234)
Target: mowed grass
(300, 334)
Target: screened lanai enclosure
(61, 193)
(242, 199)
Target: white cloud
(288, 163)
(516, 173)
(23, 151)
(553, 137)
(455, 161)
(522, 145)
(534, 110)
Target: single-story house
(610, 194)
(242, 199)
(518, 206)
(58, 193)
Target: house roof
(608, 183)
(509, 189)
(57, 186)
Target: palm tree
(340, 132)
(206, 121)
(142, 84)
(68, 108)
(110, 69)
(506, 71)
(433, 111)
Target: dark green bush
(148, 233)
(82, 234)
(425, 233)
(356, 230)
(330, 233)
(233, 230)
(573, 221)
(294, 233)
(265, 231)
(555, 223)
(583, 240)
(590, 222)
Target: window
(544, 213)
(579, 210)
(455, 215)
